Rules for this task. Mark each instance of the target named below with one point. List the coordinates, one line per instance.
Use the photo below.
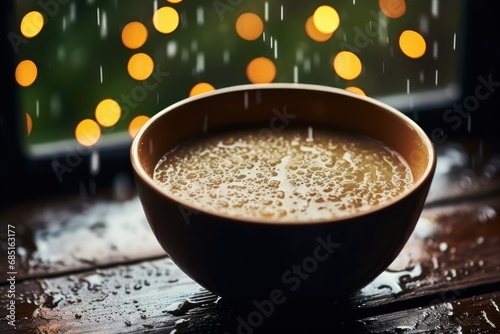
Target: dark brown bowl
(241, 259)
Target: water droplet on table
(393, 280)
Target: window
(90, 73)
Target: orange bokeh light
(249, 26)
(393, 9)
(412, 44)
(200, 88)
(166, 20)
(26, 73)
(134, 35)
(31, 24)
(87, 132)
(29, 124)
(314, 33)
(261, 70)
(136, 124)
(140, 66)
(355, 90)
(108, 112)
(326, 19)
(347, 65)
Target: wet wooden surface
(90, 263)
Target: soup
(298, 174)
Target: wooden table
(89, 263)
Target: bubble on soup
(288, 176)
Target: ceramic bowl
(241, 259)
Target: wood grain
(91, 264)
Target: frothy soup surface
(299, 174)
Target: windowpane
(110, 65)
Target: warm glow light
(108, 112)
(31, 24)
(249, 26)
(134, 35)
(392, 8)
(136, 124)
(201, 88)
(26, 73)
(29, 124)
(87, 132)
(326, 19)
(166, 20)
(347, 65)
(174, 1)
(412, 44)
(261, 70)
(356, 90)
(314, 33)
(140, 66)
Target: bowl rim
(143, 175)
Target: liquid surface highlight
(300, 174)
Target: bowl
(250, 259)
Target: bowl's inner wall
(273, 110)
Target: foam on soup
(298, 174)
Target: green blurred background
(81, 59)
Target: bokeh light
(261, 70)
(166, 20)
(249, 26)
(314, 33)
(26, 73)
(326, 19)
(31, 24)
(88, 132)
(29, 124)
(356, 90)
(393, 9)
(200, 88)
(136, 124)
(108, 112)
(177, 48)
(134, 35)
(140, 66)
(412, 44)
(347, 65)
